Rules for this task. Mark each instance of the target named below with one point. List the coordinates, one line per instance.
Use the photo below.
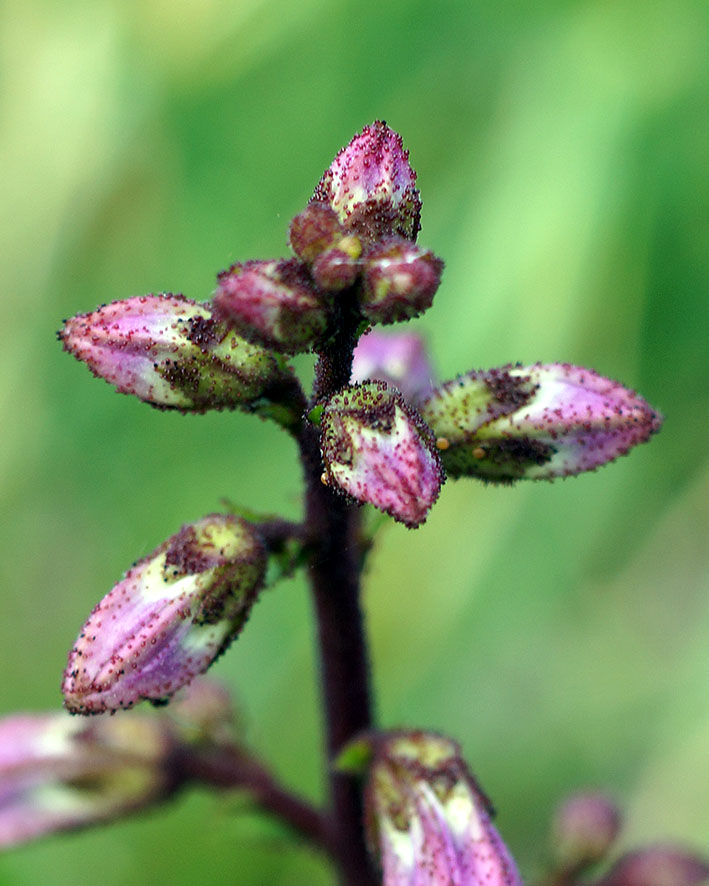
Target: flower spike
(535, 422)
(168, 619)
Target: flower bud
(535, 422)
(584, 828)
(371, 186)
(399, 360)
(171, 352)
(336, 269)
(168, 619)
(314, 230)
(58, 773)
(272, 303)
(400, 280)
(658, 866)
(376, 448)
(427, 820)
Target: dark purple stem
(230, 767)
(332, 525)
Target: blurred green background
(560, 632)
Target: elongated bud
(658, 866)
(584, 828)
(535, 422)
(272, 303)
(171, 352)
(427, 820)
(58, 773)
(371, 186)
(377, 449)
(400, 360)
(168, 619)
(400, 280)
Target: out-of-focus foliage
(559, 632)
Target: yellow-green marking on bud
(377, 449)
(168, 619)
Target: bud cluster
(378, 429)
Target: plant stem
(332, 525)
(229, 767)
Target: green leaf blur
(559, 632)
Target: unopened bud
(427, 820)
(168, 619)
(371, 186)
(400, 360)
(584, 828)
(272, 303)
(535, 422)
(377, 449)
(58, 773)
(314, 230)
(172, 353)
(658, 866)
(203, 713)
(335, 269)
(400, 280)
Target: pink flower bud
(400, 280)
(168, 619)
(427, 820)
(400, 360)
(658, 866)
(170, 352)
(584, 828)
(58, 773)
(377, 449)
(335, 269)
(371, 186)
(535, 422)
(272, 303)
(314, 230)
